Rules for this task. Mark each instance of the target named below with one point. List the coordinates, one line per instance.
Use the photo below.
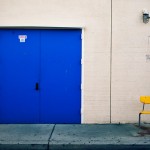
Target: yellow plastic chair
(144, 100)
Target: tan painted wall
(130, 70)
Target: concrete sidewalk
(50, 136)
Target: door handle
(37, 86)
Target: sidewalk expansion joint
(51, 135)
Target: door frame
(82, 53)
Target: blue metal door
(19, 71)
(60, 76)
(40, 76)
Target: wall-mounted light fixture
(146, 16)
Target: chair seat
(145, 112)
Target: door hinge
(81, 61)
(81, 36)
(81, 86)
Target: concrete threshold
(69, 137)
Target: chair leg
(139, 119)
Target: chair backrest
(145, 99)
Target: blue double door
(40, 76)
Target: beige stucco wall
(129, 70)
